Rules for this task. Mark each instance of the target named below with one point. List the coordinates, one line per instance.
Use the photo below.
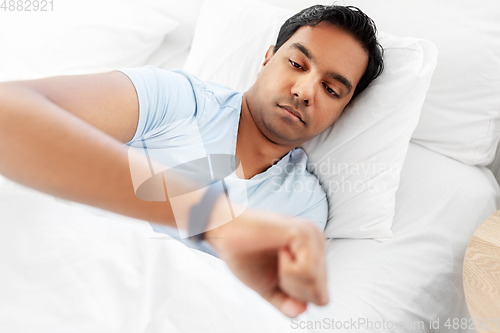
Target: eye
(294, 64)
(330, 90)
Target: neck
(254, 150)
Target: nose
(304, 88)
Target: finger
(303, 275)
(314, 275)
(289, 306)
(292, 307)
(314, 262)
(285, 257)
(292, 277)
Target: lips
(292, 111)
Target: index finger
(302, 272)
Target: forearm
(47, 148)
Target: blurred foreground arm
(74, 155)
(64, 136)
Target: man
(64, 136)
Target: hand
(281, 258)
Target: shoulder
(303, 188)
(179, 82)
(159, 89)
(224, 96)
(151, 76)
(177, 99)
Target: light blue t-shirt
(183, 118)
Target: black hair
(348, 18)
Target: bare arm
(64, 136)
(107, 101)
(61, 135)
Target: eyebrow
(335, 76)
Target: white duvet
(67, 268)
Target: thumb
(289, 306)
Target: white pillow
(175, 47)
(79, 37)
(231, 51)
(370, 137)
(461, 114)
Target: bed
(67, 267)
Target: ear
(269, 55)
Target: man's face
(313, 75)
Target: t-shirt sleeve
(164, 97)
(317, 212)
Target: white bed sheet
(66, 269)
(416, 276)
